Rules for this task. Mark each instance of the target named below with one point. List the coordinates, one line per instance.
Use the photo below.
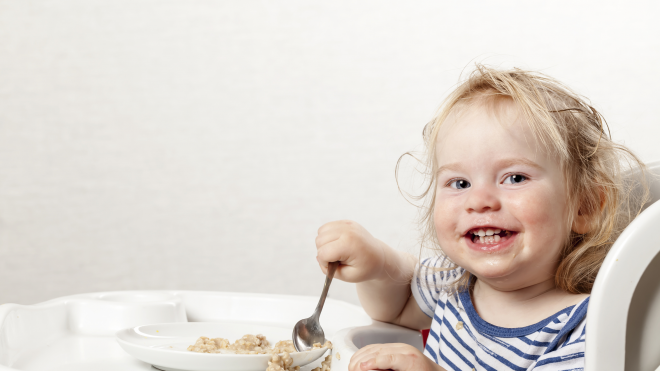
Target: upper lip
(485, 227)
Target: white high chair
(623, 320)
(623, 325)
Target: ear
(583, 221)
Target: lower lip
(500, 245)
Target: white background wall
(178, 144)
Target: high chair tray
(78, 332)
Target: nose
(482, 198)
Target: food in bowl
(248, 344)
(258, 344)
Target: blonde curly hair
(594, 166)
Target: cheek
(445, 217)
(542, 214)
(445, 212)
(442, 214)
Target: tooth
(497, 238)
(497, 231)
(481, 239)
(482, 233)
(489, 232)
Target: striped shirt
(460, 340)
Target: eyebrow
(504, 163)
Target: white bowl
(165, 346)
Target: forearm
(385, 297)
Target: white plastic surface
(165, 346)
(347, 341)
(613, 290)
(78, 332)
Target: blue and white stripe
(556, 343)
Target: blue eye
(515, 179)
(459, 184)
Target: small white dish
(165, 346)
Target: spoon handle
(332, 267)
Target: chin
(497, 272)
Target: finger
(333, 252)
(330, 232)
(348, 273)
(323, 265)
(400, 357)
(367, 352)
(361, 356)
(324, 239)
(372, 351)
(324, 262)
(334, 225)
(391, 361)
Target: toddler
(524, 199)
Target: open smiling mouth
(488, 235)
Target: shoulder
(432, 278)
(567, 350)
(438, 272)
(572, 328)
(576, 324)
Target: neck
(484, 290)
(520, 307)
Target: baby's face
(501, 206)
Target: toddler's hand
(361, 255)
(397, 357)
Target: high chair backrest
(623, 320)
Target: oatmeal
(325, 364)
(206, 345)
(284, 346)
(248, 344)
(281, 363)
(327, 344)
(258, 344)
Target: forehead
(487, 130)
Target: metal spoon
(308, 331)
